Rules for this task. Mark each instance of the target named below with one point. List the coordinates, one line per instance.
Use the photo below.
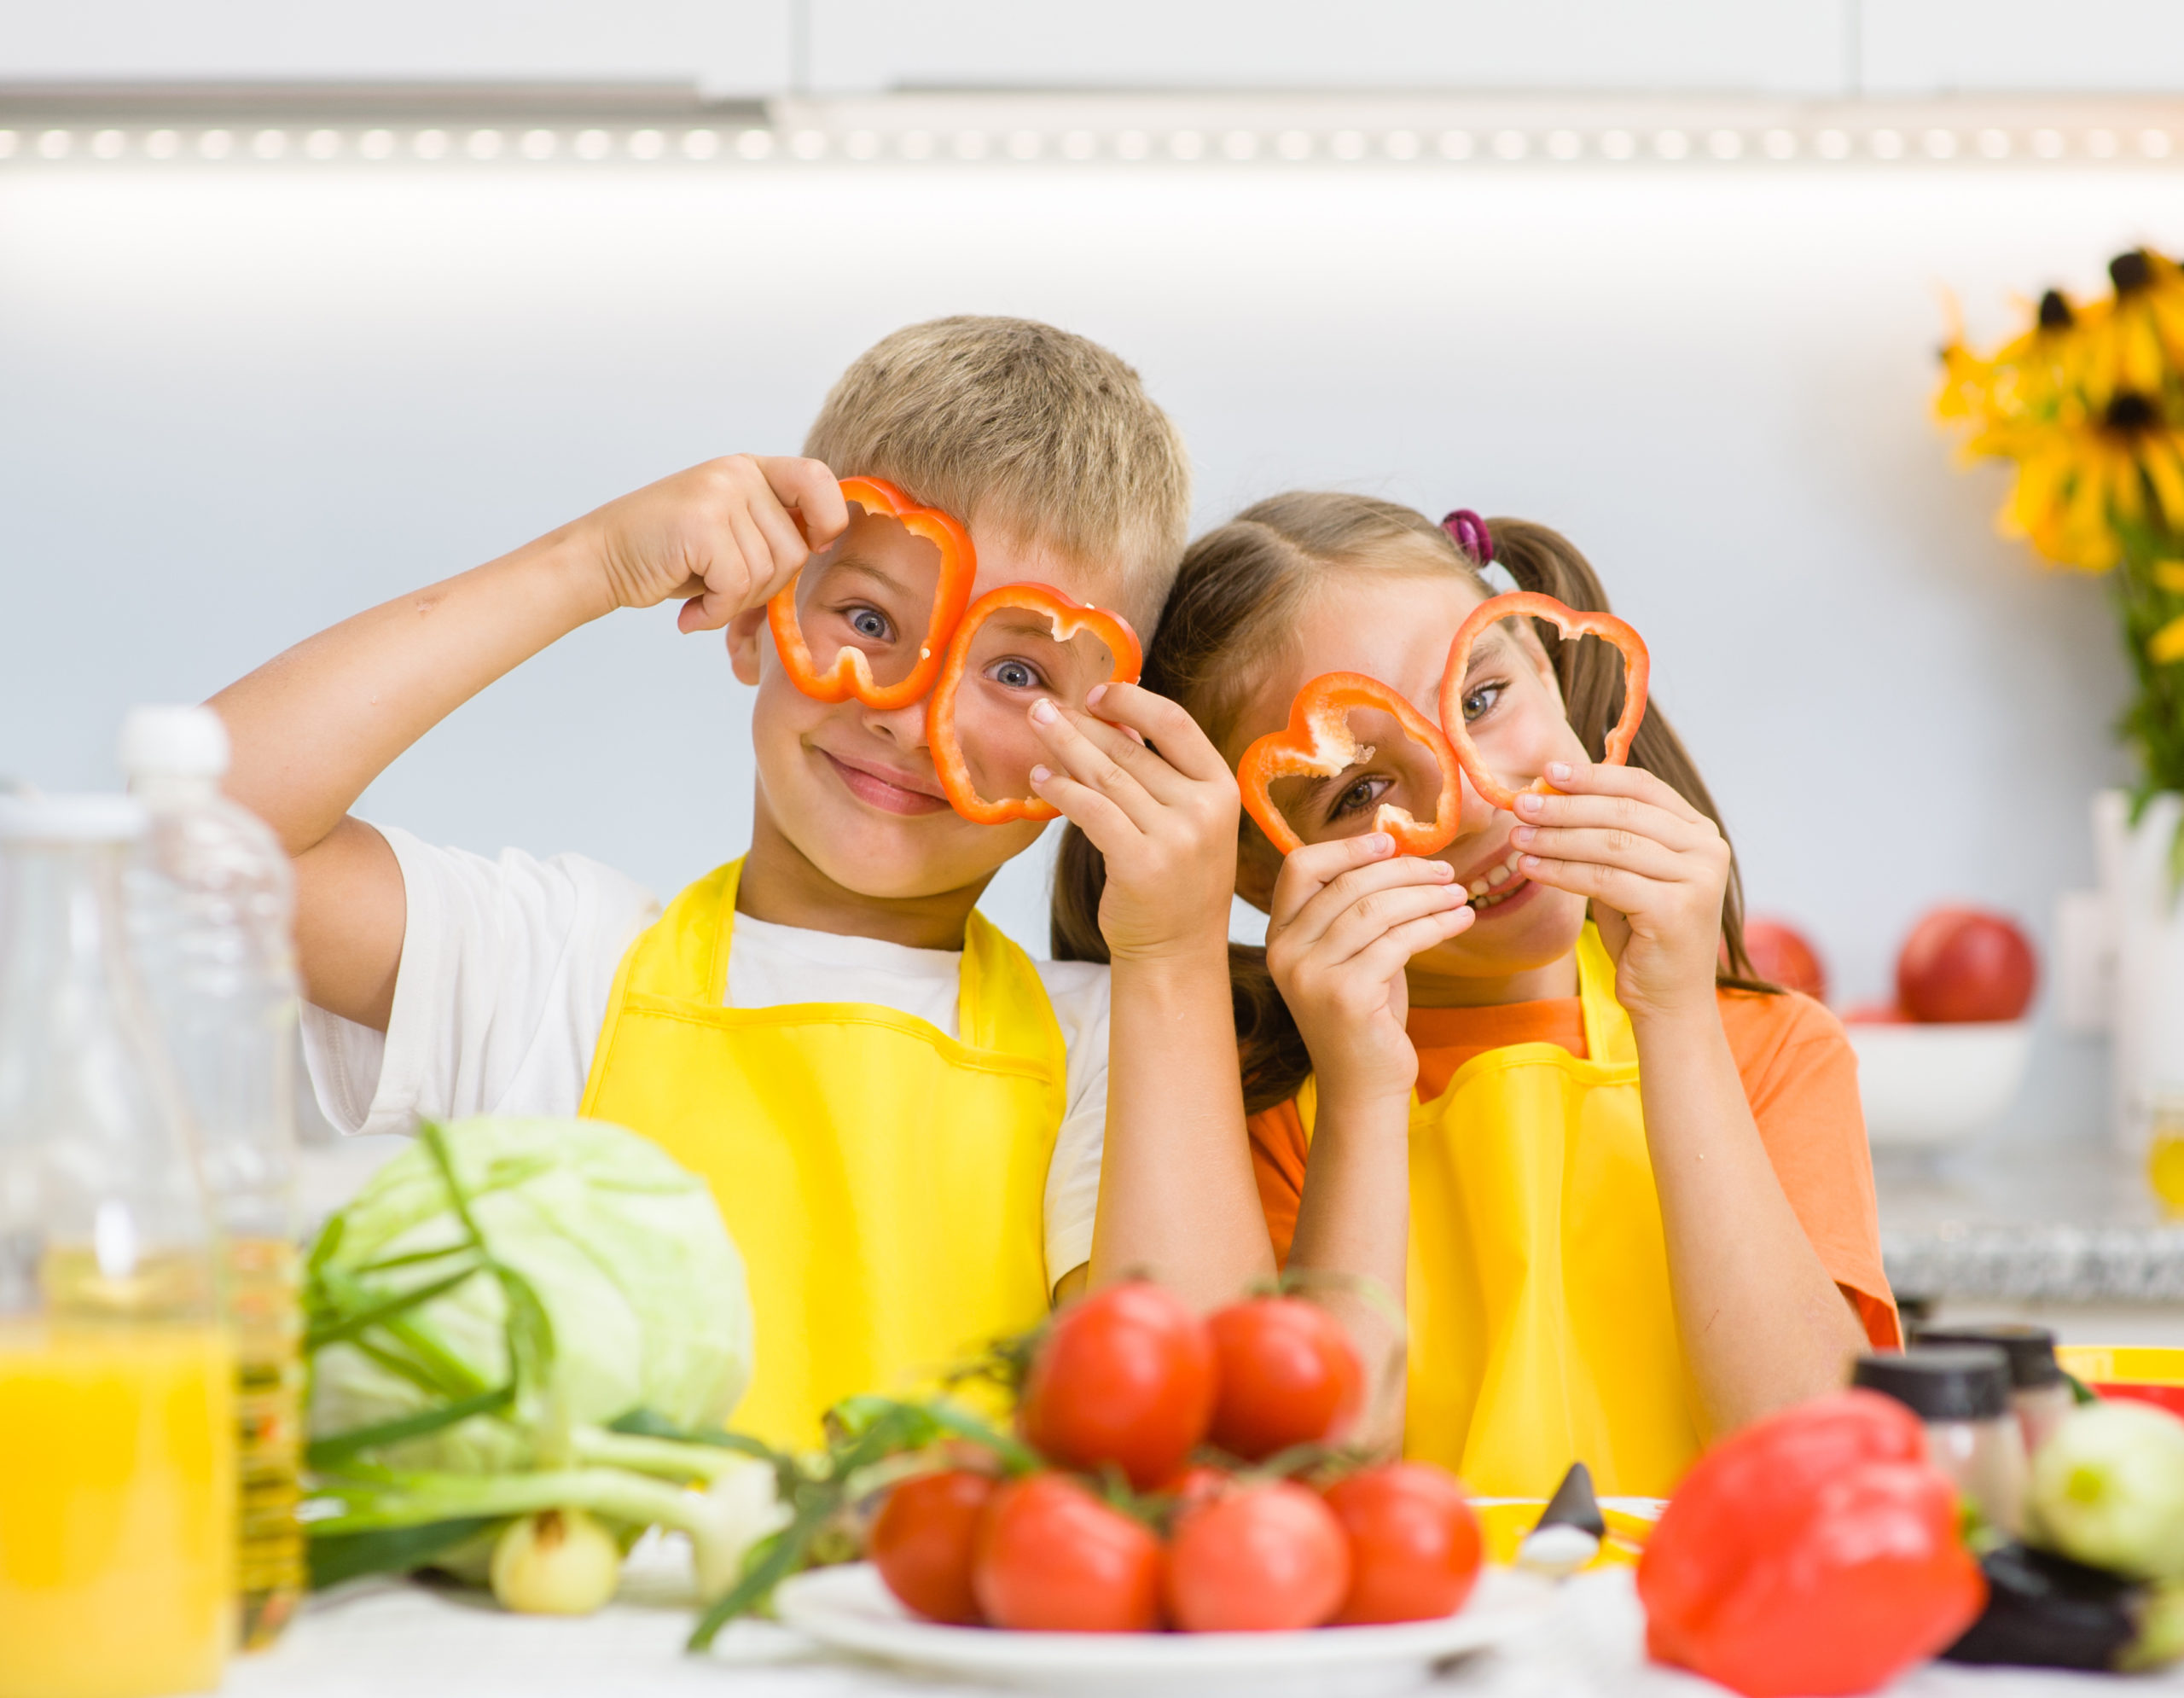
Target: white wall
(764, 46)
(237, 405)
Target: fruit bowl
(1925, 1086)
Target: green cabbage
(642, 1294)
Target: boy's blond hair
(1011, 424)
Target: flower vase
(2146, 923)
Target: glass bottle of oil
(117, 1369)
(214, 912)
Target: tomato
(1198, 1484)
(1053, 1558)
(1260, 1559)
(1289, 1375)
(1414, 1543)
(1782, 955)
(1124, 1378)
(922, 1541)
(1962, 964)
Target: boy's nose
(902, 726)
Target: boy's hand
(1654, 867)
(1165, 818)
(1348, 915)
(724, 536)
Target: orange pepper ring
(1067, 617)
(852, 673)
(1637, 667)
(1318, 740)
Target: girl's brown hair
(1237, 603)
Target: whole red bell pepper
(1067, 617)
(1318, 742)
(1814, 1552)
(850, 675)
(1636, 666)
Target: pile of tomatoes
(1169, 1487)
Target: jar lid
(1945, 1382)
(174, 742)
(2031, 1350)
(84, 819)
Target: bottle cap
(89, 818)
(1946, 1383)
(173, 742)
(2031, 1350)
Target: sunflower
(2031, 376)
(2142, 333)
(2080, 479)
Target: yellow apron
(1541, 1330)
(886, 1183)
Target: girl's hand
(1158, 802)
(1348, 915)
(1654, 867)
(725, 536)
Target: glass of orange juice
(117, 1374)
(2165, 1153)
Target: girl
(1624, 1189)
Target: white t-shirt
(506, 968)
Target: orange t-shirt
(1800, 1075)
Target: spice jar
(1962, 1394)
(2040, 1391)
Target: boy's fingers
(1182, 743)
(786, 552)
(1099, 818)
(810, 487)
(1091, 765)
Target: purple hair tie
(1471, 535)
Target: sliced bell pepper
(852, 673)
(1636, 667)
(1318, 741)
(1816, 1551)
(1067, 617)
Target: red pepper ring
(1067, 617)
(1318, 741)
(1637, 666)
(852, 673)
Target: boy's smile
(850, 790)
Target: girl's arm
(1347, 917)
(311, 728)
(1177, 1200)
(1761, 1323)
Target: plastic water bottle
(214, 911)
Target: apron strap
(1608, 1037)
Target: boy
(902, 1117)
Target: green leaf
(642, 1423)
(382, 1309)
(336, 1557)
(773, 1560)
(337, 1447)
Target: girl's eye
(1481, 699)
(1357, 798)
(1014, 675)
(871, 624)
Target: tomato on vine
(1126, 1380)
(1288, 1376)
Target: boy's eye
(872, 624)
(1014, 675)
(1480, 700)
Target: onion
(2108, 1490)
(556, 1562)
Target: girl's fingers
(1588, 778)
(1306, 871)
(1628, 892)
(1611, 847)
(1388, 954)
(1332, 900)
(1625, 814)
(1376, 915)
(1181, 744)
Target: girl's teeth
(1479, 886)
(1500, 876)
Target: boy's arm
(314, 726)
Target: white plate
(849, 1609)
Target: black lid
(2030, 1349)
(1573, 1505)
(1952, 1382)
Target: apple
(1965, 964)
(1784, 956)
